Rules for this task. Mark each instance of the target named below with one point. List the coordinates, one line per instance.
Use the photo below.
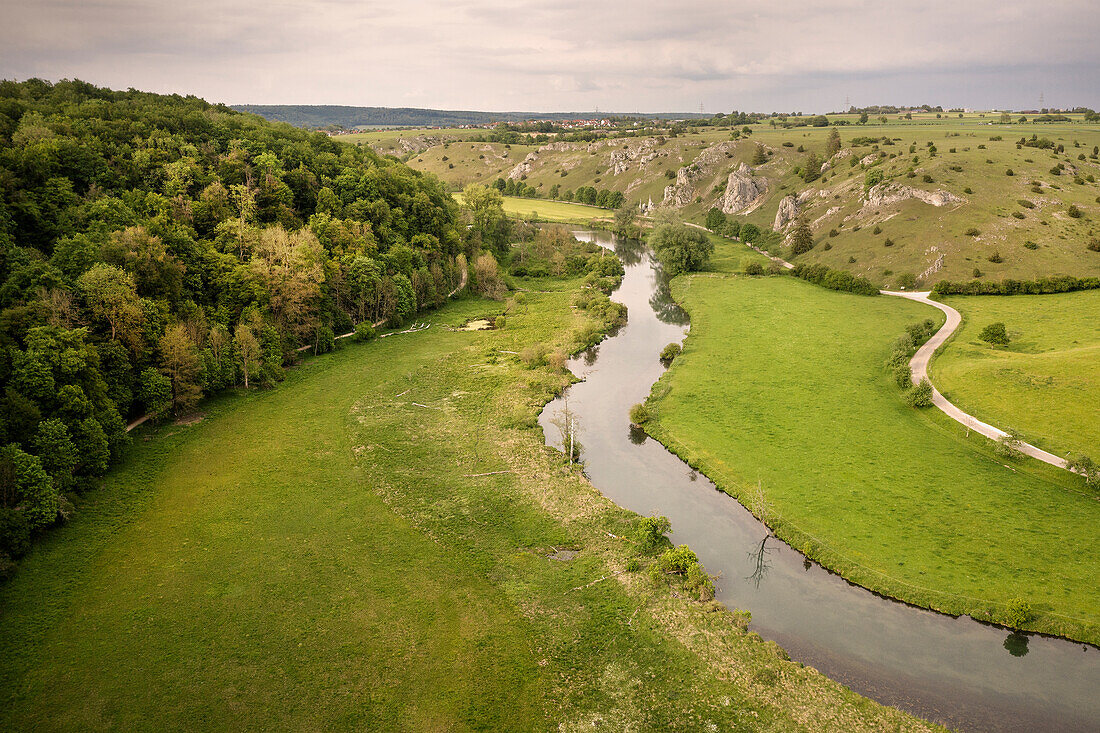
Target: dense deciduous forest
(154, 249)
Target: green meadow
(375, 544)
(781, 384)
(1045, 383)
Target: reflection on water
(955, 671)
(761, 563)
(1016, 644)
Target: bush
(1030, 245)
(364, 331)
(670, 352)
(995, 334)
(1008, 445)
(841, 280)
(927, 178)
(1073, 211)
(1055, 284)
(1025, 203)
(919, 395)
(907, 280)
(1019, 612)
(876, 230)
(639, 414)
(996, 258)
(534, 355)
(680, 248)
(903, 375)
(1009, 172)
(755, 268)
(499, 322)
(650, 532)
(556, 360)
(1093, 245)
(972, 232)
(1087, 468)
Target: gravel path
(918, 366)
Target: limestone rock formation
(742, 191)
(524, 167)
(892, 193)
(788, 210)
(642, 153)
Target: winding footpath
(918, 366)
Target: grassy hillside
(930, 242)
(1045, 383)
(375, 545)
(782, 383)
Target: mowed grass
(366, 547)
(1045, 383)
(551, 211)
(782, 383)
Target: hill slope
(940, 179)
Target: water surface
(958, 672)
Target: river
(955, 671)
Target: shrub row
(1043, 285)
(835, 279)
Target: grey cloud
(541, 55)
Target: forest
(155, 249)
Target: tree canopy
(155, 249)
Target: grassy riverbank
(782, 383)
(368, 546)
(1045, 383)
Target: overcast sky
(569, 55)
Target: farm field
(1045, 383)
(371, 547)
(781, 383)
(1004, 212)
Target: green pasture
(1045, 383)
(781, 384)
(368, 546)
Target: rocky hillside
(935, 199)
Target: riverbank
(376, 544)
(895, 500)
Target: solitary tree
(802, 240)
(680, 248)
(832, 145)
(994, 334)
(759, 156)
(811, 171)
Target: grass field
(561, 212)
(1034, 238)
(368, 547)
(1045, 383)
(782, 382)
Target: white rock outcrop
(887, 193)
(743, 190)
(788, 210)
(642, 153)
(524, 167)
